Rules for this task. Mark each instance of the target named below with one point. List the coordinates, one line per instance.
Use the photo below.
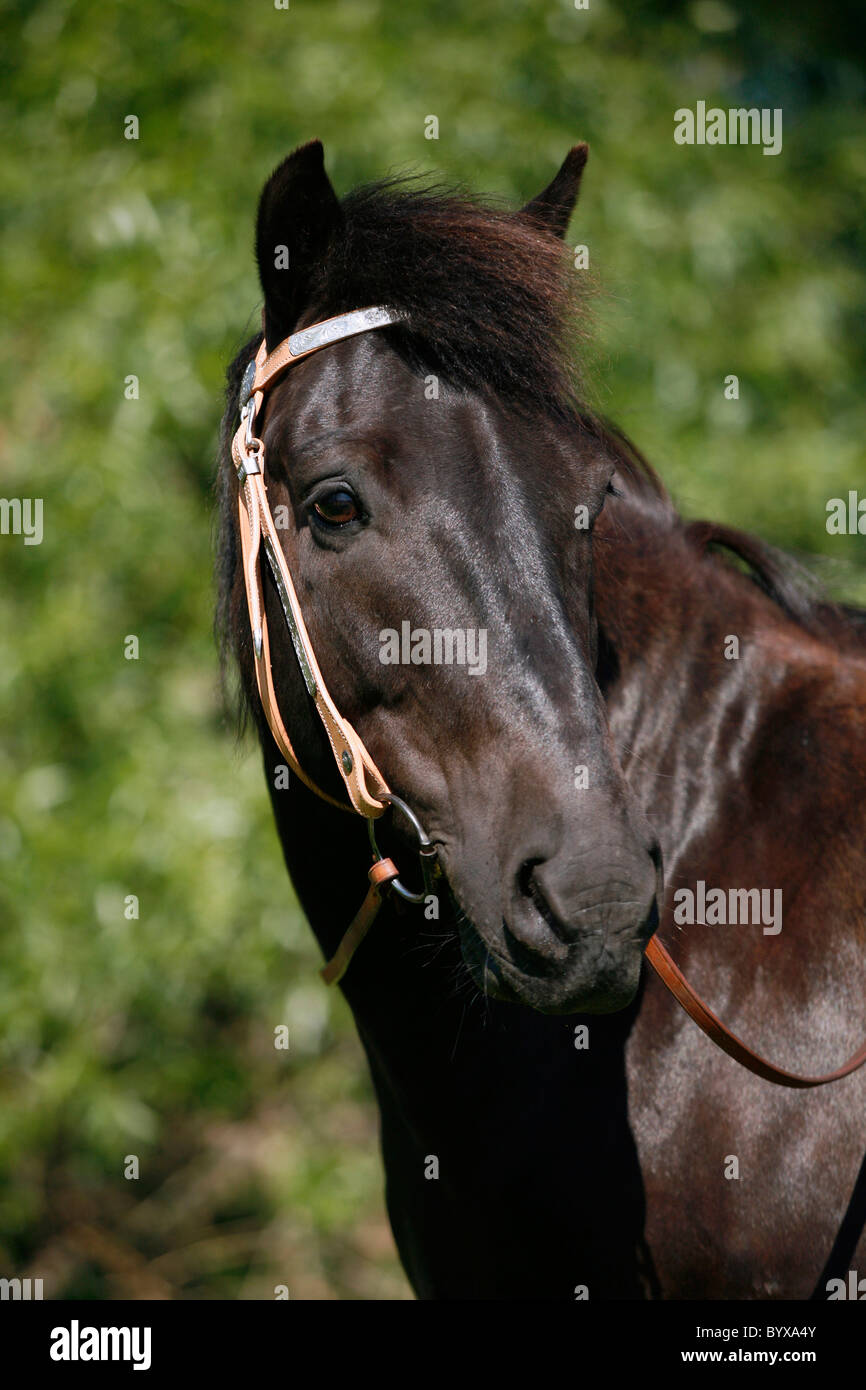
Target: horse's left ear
(554, 206)
(299, 217)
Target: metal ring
(425, 847)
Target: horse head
(436, 489)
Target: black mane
(492, 300)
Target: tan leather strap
(383, 871)
(318, 335)
(363, 781)
(250, 528)
(672, 977)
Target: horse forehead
(363, 383)
(351, 379)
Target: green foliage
(154, 1036)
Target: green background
(154, 1036)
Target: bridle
(367, 790)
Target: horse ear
(554, 206)
(298, 216)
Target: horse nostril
(530, 888)
(526, 884)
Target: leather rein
(366, 787)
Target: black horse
(552, 1124)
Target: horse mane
(786, 581)
(493, 305)
(491, 300)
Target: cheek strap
(366, 788)
(363, 781)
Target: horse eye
(336, 508)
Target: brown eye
(337, 508)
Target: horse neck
(684, 641)
(665, 613)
